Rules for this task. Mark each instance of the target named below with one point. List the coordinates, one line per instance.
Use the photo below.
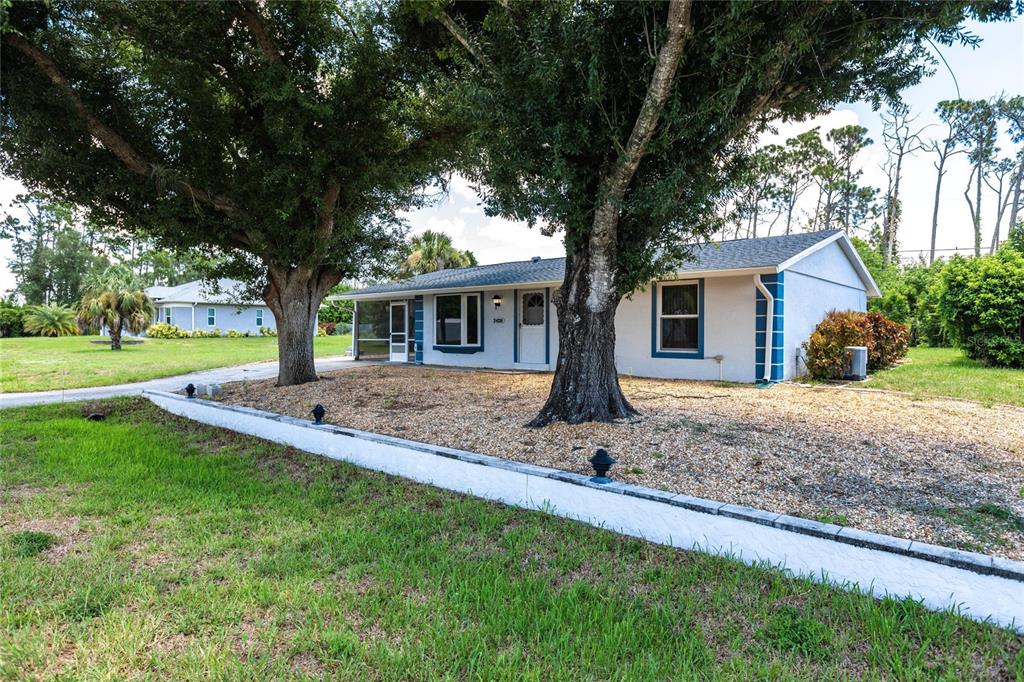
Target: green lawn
(40, 364)
(948, 372)
(147, 546)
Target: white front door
(399, 332)
(532, 328)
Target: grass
(41, 363)
(948, 372)
(193, 553)
(985, 521)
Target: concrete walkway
(221, 375)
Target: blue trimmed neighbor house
(737, 310)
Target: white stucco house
(737, 310)
(194, 305)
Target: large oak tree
(284, 134)
(619, 124)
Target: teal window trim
(697, 354)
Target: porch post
(355, 330)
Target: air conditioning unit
(856, 363)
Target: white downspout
(193, 317)
(768, 328)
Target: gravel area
(943, 471)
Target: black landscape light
(601, 462)
(318, 414)
(191, 390)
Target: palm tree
(51, 320)
(115, 300)
(433, 251)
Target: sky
(997, 66)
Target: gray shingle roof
(763, 252)
(199, 292)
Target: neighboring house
(738, 311)
(194, 305)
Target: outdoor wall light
(318, 414)
(496, 301)
(191, 390)
(601, 462)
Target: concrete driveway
(221, 375)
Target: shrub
(981, 303)
(826, 348)
(886, 341)
(162, 330)
(998, 351)
(204, 334)
(329, 328)
(889, 341)
(267, 331)
(50, 320)
(12, 320)
(235, 334)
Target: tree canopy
(285, 135)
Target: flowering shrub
(267, 331)
(202, 334)
(162, 330)
(235, 334)
(328, 328)
(886, 341)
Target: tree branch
(110, 139)
(325, 217)
(250, 16)
(463, 39)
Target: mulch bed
(949, 472)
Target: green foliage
(432, 251)
(50, 320)
(981, 302)
(12, 319)
(555, 98)
(887, 342)
(336, 311)
(51, 255)
(283, 133)
(267, 331)
(210, 333)
(162, 330)
(28, 543)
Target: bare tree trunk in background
(586, 384)
(977, 212)
(1015, 205)
(941, 167)
(294, 295)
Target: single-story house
(195, 305)
(737, 310)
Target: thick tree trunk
(115, 335)
(294, 295)
(586, 384)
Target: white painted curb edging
(980, 586)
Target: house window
(167, 315)
(259, 317)
(678, 317)
(211, 317)
(457, 319)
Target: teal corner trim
(774, 352)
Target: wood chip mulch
(948, 472)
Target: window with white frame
(211, 317)
(259, 317)
(457, 320)
(167, 315)
(678, 316)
